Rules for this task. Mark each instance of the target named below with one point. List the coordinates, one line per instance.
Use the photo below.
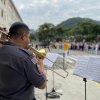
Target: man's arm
(35, 72)
(42, 70)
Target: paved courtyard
(70, 88)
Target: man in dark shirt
(20, 71)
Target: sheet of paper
(95, 68)
(50, 59)
(88, 67)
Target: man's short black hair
(17, 29)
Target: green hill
(71, 22)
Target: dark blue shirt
(18, 73)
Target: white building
(8, 13)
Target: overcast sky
(37, 12)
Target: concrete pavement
(71, 87)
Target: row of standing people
(83, 46)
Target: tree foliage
(84, 30)
(75, 28)
(46, 31)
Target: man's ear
(23, 36)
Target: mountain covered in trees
(75, 28)
(80, 29)
(72, 22)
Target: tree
(85, 30)
(59, 34)
(46, 31)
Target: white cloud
(44, 1)
(36, 12)
(21, 7)
(55, 1)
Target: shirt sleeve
(33, 74)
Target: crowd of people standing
(92, 47)
(85, 46)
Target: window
(4, 2)
(2, 13)
(1, 0)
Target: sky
(38, 12)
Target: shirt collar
(9, 43)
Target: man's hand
(41, 66)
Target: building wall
(8, 13)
